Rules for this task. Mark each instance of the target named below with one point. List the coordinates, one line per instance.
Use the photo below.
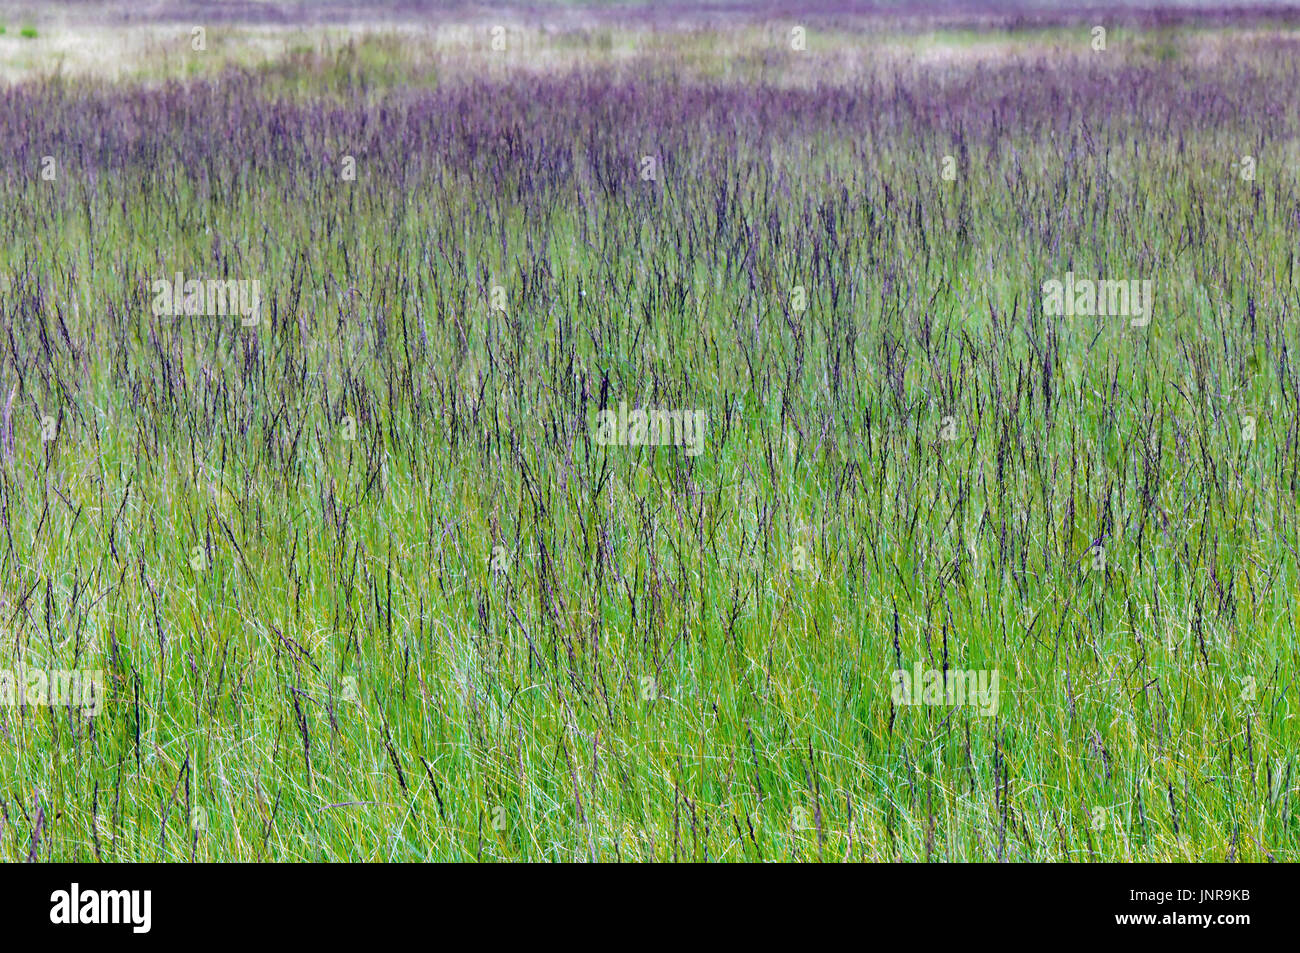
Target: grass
(364, 586)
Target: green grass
(469, 632)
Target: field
(370, 556)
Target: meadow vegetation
(363, 583)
